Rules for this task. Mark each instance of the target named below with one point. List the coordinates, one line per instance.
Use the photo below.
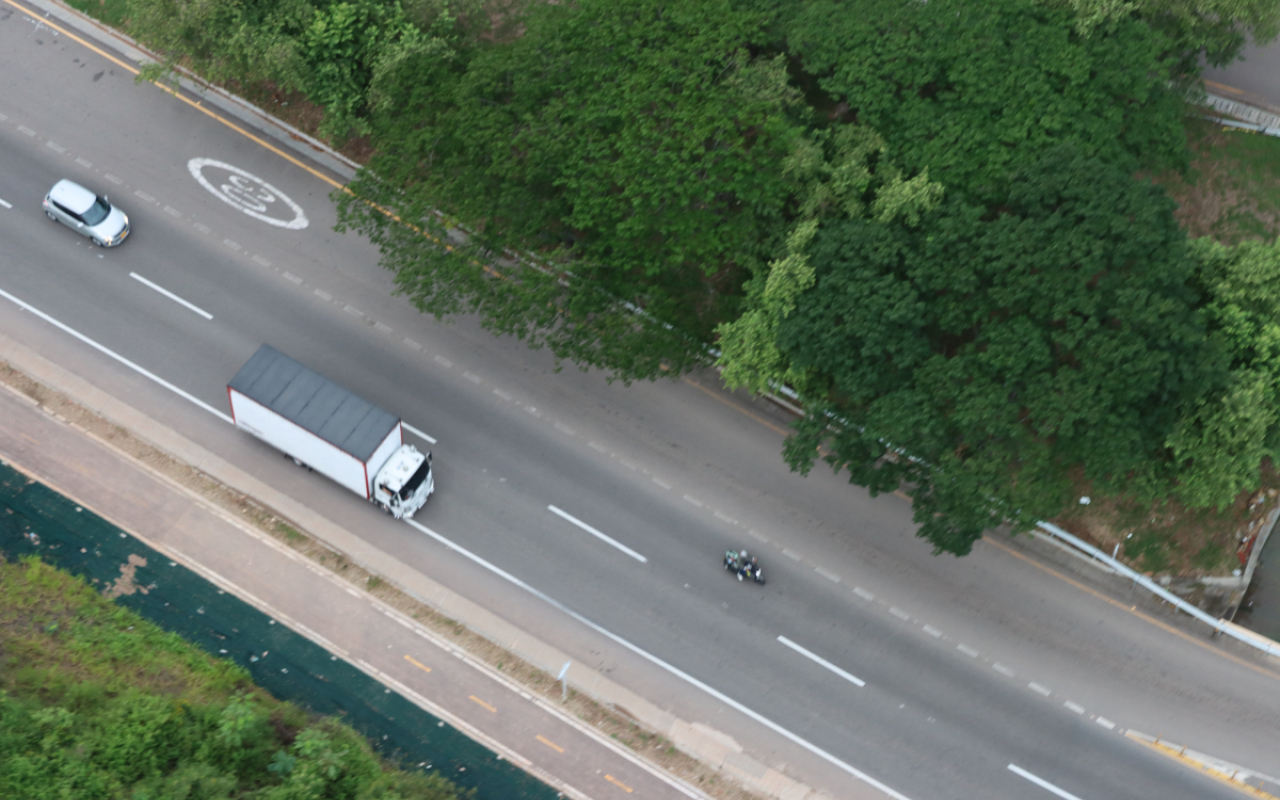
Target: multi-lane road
(979, 677)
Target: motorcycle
(744, 567)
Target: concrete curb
(714, 748)
(284, 134)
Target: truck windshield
(415, 480)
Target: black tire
(98, 242)
(50, 215)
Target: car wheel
(99, 242)
(50, 215)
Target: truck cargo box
(313, 419)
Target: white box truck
(323, 426)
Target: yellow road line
(483, 704)
(618, 783)
(1131, 609)
(1224, 87)
(417, 663)
(1217, 775)
(549, 743)
(72, 36)
(738, 408)
(175, 93)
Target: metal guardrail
(1219, 625)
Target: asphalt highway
(980, 677)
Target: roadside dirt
(615, 723)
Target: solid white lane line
(6, 204)
(676, 671)
(819, 660)
(416, 432)
(170, 295)
(108, 352)
(597, 533)
(1042, 783)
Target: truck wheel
(299, 463)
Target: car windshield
(97, 212)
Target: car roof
(72, 195)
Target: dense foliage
(96, 702)
(924, 216)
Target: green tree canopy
(1000, 346)
(1224, 437)
(974, 90)
(633, 145)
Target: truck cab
(404, 483)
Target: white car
(86, 213)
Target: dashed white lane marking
(1106, 723)
(86, 164)
(1042, 783)
(602, 537)
(416, 432)
(863, 593)
(831, 576)
(120, 181)
(233, 245)
(442, 361)
(504, 395)
(1038, 689)
(791, 554)
(323, 295)
(670, 668)
(725, 518)
(599, 448)
(695, 501)
(412, 344)
(381, 328)
(967, 650)
(6, 204)
(258, 259)
(817, 659)
(144, 196)
(629, 464)
(755, 534)
(55, 147)
(471, 376)
(202, 228)
(291, 278)
(170, 295)
(1002, 669)
(932, 631)
(663, 484)
(353, 311)
(1076, 707)
(899, 613)
(173, 212)
(534, 411)
(114, 355)
(26, 130)
(565, 429)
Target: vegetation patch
(98, 702)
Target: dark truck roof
(313, 402)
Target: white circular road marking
(248, 193)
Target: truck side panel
(308, 448)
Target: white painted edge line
(819, 660)
(1043, 691)
(597, 534)
(1042, 783)
(1076, 707)
(672, 669)
(170, 295)
(6, 204)
(111, 353)
(416, 432)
